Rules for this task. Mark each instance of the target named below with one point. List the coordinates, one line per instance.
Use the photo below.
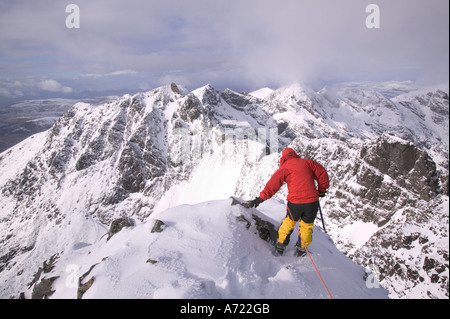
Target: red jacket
(300, 175)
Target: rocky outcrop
(410, 167)
(265, 229)
(42, 283)
(158, 226)
(118, 224)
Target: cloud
(254, 43)
(115, 73)
(53, 86)
(173, 77)
(328, 40)
(6, 93)
(14, 89)
(30, 87)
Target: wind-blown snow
(261, 93)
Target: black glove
(321, 194)
(256, 202)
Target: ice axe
(321, 217)
(238, 201)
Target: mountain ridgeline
(385, 147)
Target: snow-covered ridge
(205, 250)
(262, 93)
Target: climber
(301, 175)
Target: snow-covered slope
(204, 251)
(137, 156)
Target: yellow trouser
(305, 231)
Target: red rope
(298, 230)
(321, 279)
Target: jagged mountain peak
(172, 89)
(262, 93)
(296, 90)
(440, 89)
(207, 94)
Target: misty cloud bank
(238, 44)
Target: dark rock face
(401, 162)
(266, 229)
(191, 109)
(42, 283)
(236, 100)
(43, 289)
(118, 224)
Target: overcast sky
(137, 45)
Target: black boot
(300, 251)
(288, 238)
(280, 247)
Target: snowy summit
(207, 250)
